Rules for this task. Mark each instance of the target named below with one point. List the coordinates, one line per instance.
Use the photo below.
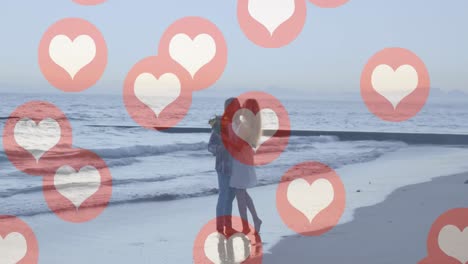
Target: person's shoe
(229, 231)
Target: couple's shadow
(235, 249)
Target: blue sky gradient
(328, 56)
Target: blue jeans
(225, 198)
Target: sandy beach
(379, 225)
(394, 231)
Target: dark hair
(215, 122)
(231, 100)
(256, 130)
(252, 104)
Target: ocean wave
(115, 182)
(313, 139)
(3, 157)
(159, 197)
(148, 150)
(125, 153)
(364, 152)
(121, 162)
(166, 186)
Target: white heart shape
(395, 85)
(310, 199)
(74, 55)
(271, 13)
(13, 248)
(77, 186)
(454, 242)
(192, 54)
(220, 250)
(37, 138)
(157, 93)
(269, 121)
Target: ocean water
(148, 165)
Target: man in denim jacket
(223, 168)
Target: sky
(328, 56)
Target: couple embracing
(235, 177)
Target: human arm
(214, 143)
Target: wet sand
(394, 231)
